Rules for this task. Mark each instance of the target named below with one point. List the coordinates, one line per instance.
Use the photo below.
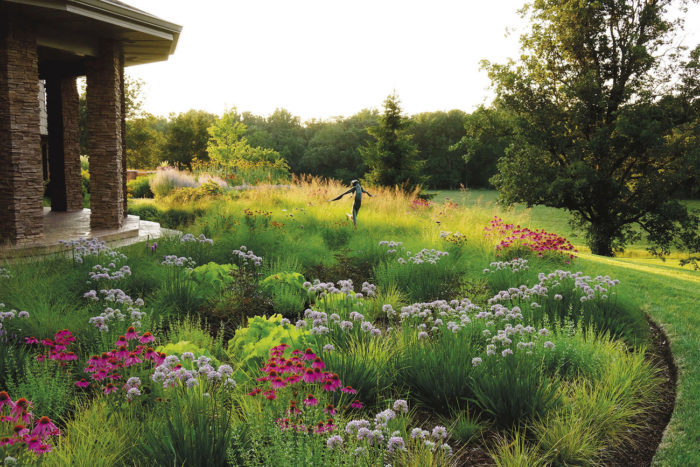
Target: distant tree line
(451, 149)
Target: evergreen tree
(392, 158)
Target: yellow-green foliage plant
(95, 437)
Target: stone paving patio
(76, 225)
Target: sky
(327, 58)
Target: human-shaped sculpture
(358, 199)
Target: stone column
(21, 183)
(104, 106)
(64, 144)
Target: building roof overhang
(74, 28)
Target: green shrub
(180, 347)
(192, 330)
(211, 278)
(251, 345)
(286, 289)
(140, 187)
(147, 212)
(175, 217)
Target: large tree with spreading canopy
(605, 118)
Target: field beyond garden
(274, 333)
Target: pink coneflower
(20, 405)
(292, 379)
(115, 376)
(277, 383)
(42, 448)
(309, 354)
(7, 441)
(310, 401)
(131, 334)
(122, 351)
(68, 356)
(30, 340)
(150, 353)
(255, 392)
(121, 341)
(320, 427)
(20, 430)
(132, 359)
(296, 352)
(40, 358)
(44, 427)
(356, 404)
(146, 338)
(110, 388)
(270, 394)
(308, 376)
(82, 383)
(47, 342)
(330, 408)
(32, 442)
(318, 374)
(5, 399)
(318, 363)
(99, 375)
(349, 390)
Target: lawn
(273, 333)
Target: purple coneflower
(82, 383)
(5, 399)
(30, 340)
(109, 388)
(44, 427)
(146, 338)
(310, 401)
(349, 390)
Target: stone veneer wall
(71, 144)
(104, 106)
(21, 183)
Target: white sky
(325, 58)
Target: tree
(489, 131)
(145, 137)
(187, 137)
(334, 146)
(435, 134)
(281, 131)
(593, 136)
(227, 143)
(392, 158)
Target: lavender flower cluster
(376, 433)
(92, 247)
(178, 261)
(117, 297)
(12, 314)
(321, 323)
(345, 287)
(109, 272)
(514, 265)
(431, 256)
(190, 238)
(247, 257)
(172, 372)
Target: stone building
(47, 44)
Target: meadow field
(274, 333)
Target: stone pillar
(124, 161)
(104, 106)
(21, 183)
(64, 144)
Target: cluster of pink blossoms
(538, 241)
(108, 365)
(301, 368)
(57, 349)
(34, 435)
